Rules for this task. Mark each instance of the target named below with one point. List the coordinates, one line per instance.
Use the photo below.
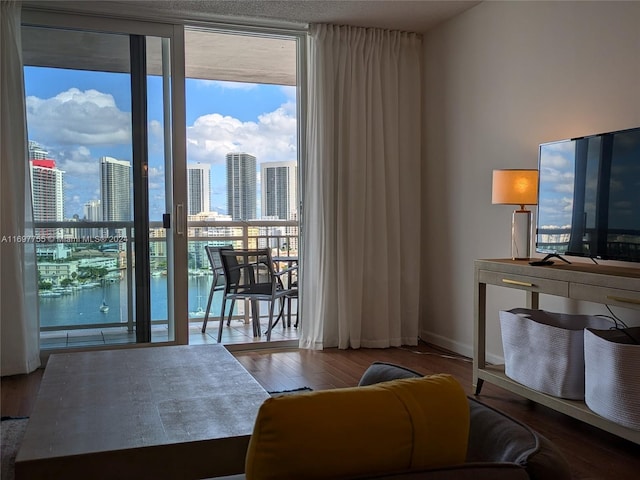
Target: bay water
(82, 306)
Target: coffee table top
(129, 398)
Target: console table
(619, 286)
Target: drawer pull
(516, 282)
(623, 300)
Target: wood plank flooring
(592, 453)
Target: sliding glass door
(105, 119)
(137, 133)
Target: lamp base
(521, 235)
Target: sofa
(498, 446)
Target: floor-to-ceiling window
(130, 171)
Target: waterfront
(82, 306)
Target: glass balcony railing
(86, 274)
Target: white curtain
(19, 327)
(361, 214)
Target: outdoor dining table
(290, 260)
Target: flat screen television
(589, 196)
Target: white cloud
(224, 85)
(290, 92)
(156, 137)
(271, 138)
(76, 160)
(156, 178)
(558, 161)
(234, 85)
(156, 172)
(81, 176)
(76, 117)
(77, 127)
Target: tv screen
(589, 196)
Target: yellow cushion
(404, 424)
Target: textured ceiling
(220, 56)
(408, 15)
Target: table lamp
(517, 187)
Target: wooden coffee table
(159, 412)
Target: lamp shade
(515, 187)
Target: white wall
(500, 79)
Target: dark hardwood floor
(591, 452)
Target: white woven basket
(545, 350)
(612, 375)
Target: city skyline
(278, 199)
(81, 116)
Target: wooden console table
(619, 286)
(160, 412)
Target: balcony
(87, 286)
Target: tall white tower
(92, 213)
(198, 188)
(241, 186)
(47, 196)
(279, 183)
(115, 190)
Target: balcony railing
(79, 259)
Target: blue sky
(80, 116)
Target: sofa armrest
(494, 437)
(385, 372)
(497, 437)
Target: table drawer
(609, 296)
(523, 282)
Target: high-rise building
(115, 190)
(198, 188)
(241, 186)
(36, 152)
(47, 195)
(92, 213)
(279, 182)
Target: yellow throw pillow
(405, 424)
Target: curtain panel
(361, 213)
(19, 326)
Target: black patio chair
(218, 281)
(250, 275)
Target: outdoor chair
(218, 281)
(250, 275)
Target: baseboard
(457, 347)
(254, 346)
